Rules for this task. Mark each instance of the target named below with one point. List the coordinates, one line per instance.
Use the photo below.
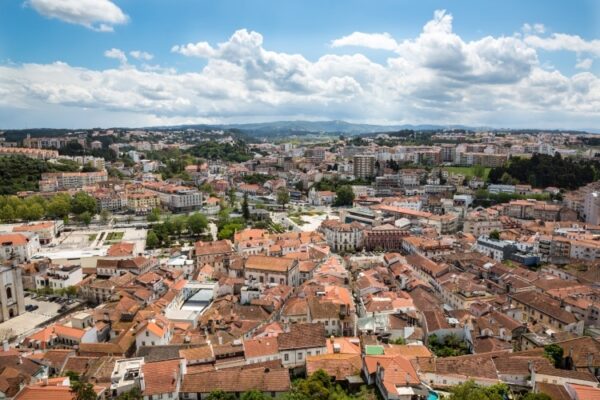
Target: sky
(132, 63)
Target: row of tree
(60, 206)
(162, 234)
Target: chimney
(220, 338)
(590, 361)
(5, 346)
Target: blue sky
(511, 63)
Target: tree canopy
(542, 170)
(344, 196)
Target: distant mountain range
(307, 127)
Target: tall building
(591, 208)
(364, 166)
(12, 302)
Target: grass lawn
(114, 236)
(298, 221)
(468, 172)
(92, 237)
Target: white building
(154, 332)
(59, 277)
(18, 246)
(591, 208)
(12, 302)
(341, 236)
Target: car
(27, 294)
(28, 307)
(34, 307)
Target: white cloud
(99, 15)
(436, 77)
(536, 28)
(565, 42)
(585, 63)
(141, 55)
(382, 41)
(117, 55)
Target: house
(270, 381)
(154, 332)
(300, 341)
(261, 350)
(540, 308)
(59, 389)
(272, 270)
(59, 277)
(18, 246)
(396, 379)
(46, 230)
(215, 253)
(162, 379)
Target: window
(308, 353)
(286, 357)
(8, 293)
(299, 356)
(143, 343)
(147, 334)
(272, 280)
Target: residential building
(364, 166)
(272, 270)
(300, 341)
(341, 236)
(18, 247)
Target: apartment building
(176, 198)
(341, 236)
(39, 154)
(53, 181)
(364, 166)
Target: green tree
(555, 353)
(59, 206)
(85, 217)
(220, 395)
(495, 235)
(71, 291)
(83, 391)
(245, 207)
(344, 196)
(134, 394)
(83, 202)
(104, 216)
(283, 196)
(73, 376)
(152, 240)
(197, 223)
(232, 197)
(535, 396)
(154, 215)
(179, 224)
(7, 213)
(478, 171)
(253, 395)
(472, 391)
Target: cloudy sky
(89, 63)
